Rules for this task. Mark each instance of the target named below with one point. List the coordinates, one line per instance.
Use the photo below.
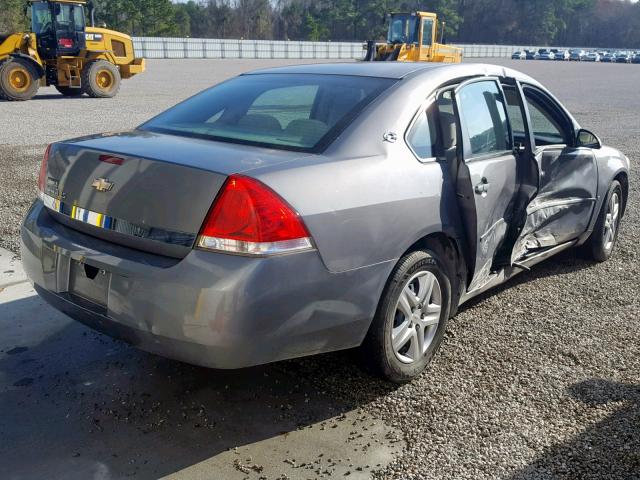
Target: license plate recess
(89, 282)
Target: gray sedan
(307, 209)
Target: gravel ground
(539, 379)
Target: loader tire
(18, 80)
(69, 92)
(100, 79)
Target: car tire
(19, 80)
(69, 92)
(602, 241)
(100, 79)
(398, 347)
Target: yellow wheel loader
(60, 50)
(413, 37)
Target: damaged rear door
(567, 186)
(486, 182)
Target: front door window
(548, 123)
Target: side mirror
(585, 138)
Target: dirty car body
(481, 162)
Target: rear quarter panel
(364, 211)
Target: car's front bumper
(209, 309)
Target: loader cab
(415, 30)
(59, 27)
(404, 28)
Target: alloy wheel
(611, 221)
(417, 316)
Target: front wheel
(100, 79)
(600, 245)
(411, 319)
(18, 80)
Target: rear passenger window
(485, 119)
(516, 119)
(422, 134)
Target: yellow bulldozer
(61, 50)
(413, 37)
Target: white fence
(156, 47)
(151, 47)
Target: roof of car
(395, 70)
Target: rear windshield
(295, 112)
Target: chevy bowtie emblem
(102, 184)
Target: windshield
(68, 17)
(294, 112)
(403, 29)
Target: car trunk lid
(144, 190)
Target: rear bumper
(208, 309)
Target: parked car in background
(519, 55)
(544, 54)
(608, 57)
(305, 209)
(623, 57)
(636, 58)
(562, 55)
(576, 55)
(591, 57)
(531, 54)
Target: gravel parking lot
(539, 379)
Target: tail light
(249, 218)
(42, 178)
(65, 42)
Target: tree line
(594, 23)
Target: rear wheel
(100, 79)
(18, 80)
(69, 92)
(600, 245)
(411, 318)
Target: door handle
(483, 187)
